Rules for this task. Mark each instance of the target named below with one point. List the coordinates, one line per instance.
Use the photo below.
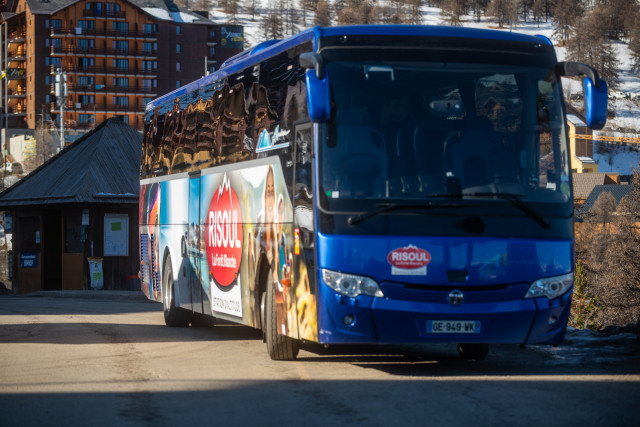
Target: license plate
(453, 326)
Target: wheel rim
(168, 294)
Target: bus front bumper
(370, 320)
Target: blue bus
(368, 185)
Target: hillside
(625, 103)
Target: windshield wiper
(388, 207)
(515, 200)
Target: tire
(279, 347)
(473, 351)
(173, 316)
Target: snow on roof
(158, 13)
(165, 15)
(575, 120)
(586, 159)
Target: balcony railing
(104, 70)
(14, 35)
(101, 33)
(99, 108)
(104, 89)
(108, 14)
(17, 91)
(103, 51)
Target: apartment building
(116, 55)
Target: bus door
(304, 233)
(193, 249)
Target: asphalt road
(111, 361)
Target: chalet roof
(101, 167)
(575, 120)
(160, 9)
(584, 183)
(618, 190)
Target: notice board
(116, 235)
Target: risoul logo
(409, 260)
(224, 235)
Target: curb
(120, 295)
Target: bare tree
(414, 14)
(479, 7)
(251, 7)
(505, 12)
(356, 12)
(538, 10)
(634, 46)
(565, 13)
(590, 44)
(46, 146)
(323, 14)
(452, 11)
(273, 23)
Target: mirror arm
(570, 68)
(309, 60)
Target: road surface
(86, 361)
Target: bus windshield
(404, 129)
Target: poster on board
(116, 232)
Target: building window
(122, 82)
(212, 35)
(177, 47)
(86, 118)
(148, 66)
(84, 44)
(212, 51)
(149, 47)
(178, 29)
(122, 46)
(122, 101)
(56, 24)
(149, 28)
(121, 64)
(85, 82)
(121, 27)
(86, 25)
(86, 99)
(177, 84)
(178, 66)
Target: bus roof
(272, 47)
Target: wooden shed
(81, 203)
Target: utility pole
(62, 91)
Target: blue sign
(29, 260)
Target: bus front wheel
(173, 316)
(279, 347)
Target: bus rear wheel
(473, 351)
(279, 347)
(173, 316)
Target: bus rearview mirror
(595, 100)
(318, 96)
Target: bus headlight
(350, 284)
(550, 287)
